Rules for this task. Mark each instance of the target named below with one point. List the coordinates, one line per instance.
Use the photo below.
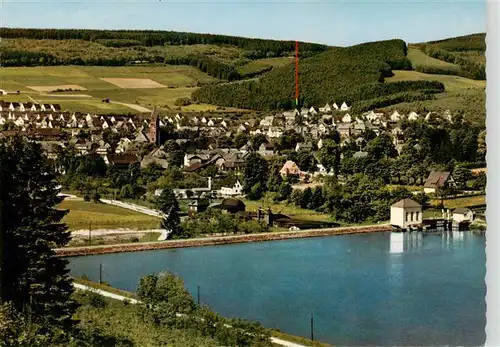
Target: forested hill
(220, 56)
(349, 74)
(256, 48)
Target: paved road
(134, 207)
(134, 301)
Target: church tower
(154, 128)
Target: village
(220, 144)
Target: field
(461, 202)
(451, 83)
(84, 214)
(133, 83)
(255, 66)
(419, 58)
(170, 83)
(54, 88)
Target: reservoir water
(367, 289)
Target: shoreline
(215, 241)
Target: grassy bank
(104, 286)
(297, 339)
(461, 201)
(114, 239)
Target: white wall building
(463, 214)
(405, 213)
(236, 190)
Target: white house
(347, 118)
(335, 106)
(371, 116)
(405, 213)
(437, 179)
(274, 132)
(395, 116)
(462, 214)
(325, 109)
(413, 116)
(320, 143)
(236, 190)
(344, 107)
(447, 115)
(312, 111)
(266, 121)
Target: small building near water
(462, 214)
(405, 213)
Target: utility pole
(312, 328)
(90, 234)
(297, 74)
(1, 234)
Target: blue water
(368, 289)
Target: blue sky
(331, 22)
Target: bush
(95, 196)
(183, 102)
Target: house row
(28, 106)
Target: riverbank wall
(214, 241)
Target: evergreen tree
(167, 203)
(33, 280)
(256, 171)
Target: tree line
(212, 67)
(468, 68)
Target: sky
(334, 22)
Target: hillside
(139, 69)
(340, 74)
(217, 55)
(462, 56)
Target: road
(134, 207)
(134, 301)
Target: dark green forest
(258, 48)
(341, 74)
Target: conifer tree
(33, 280)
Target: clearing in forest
(133, 83)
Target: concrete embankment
(223, 240)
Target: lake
(365, 289)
